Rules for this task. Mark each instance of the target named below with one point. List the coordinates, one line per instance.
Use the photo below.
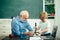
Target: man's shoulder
(15, 20)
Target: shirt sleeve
(15, 28)
(29, 27)
(39, 24)
(48, 24)
(49, 27)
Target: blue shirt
(19, 27)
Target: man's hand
(29, 33)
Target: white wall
(6, 24)
(57, 17)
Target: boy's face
(43, 18)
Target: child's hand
(38, 34)
(38, 28)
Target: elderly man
(20, 24)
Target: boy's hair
(43, 15)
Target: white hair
(24, 12)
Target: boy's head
(43, 15)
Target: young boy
(44, 25)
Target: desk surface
(36, 38)
(44, 38)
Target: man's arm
(30, 33)
(29, 27)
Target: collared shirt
(19, 27)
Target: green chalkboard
(9, 8)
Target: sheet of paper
(35, 38)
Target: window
(49, 6)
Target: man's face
(24, 17)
